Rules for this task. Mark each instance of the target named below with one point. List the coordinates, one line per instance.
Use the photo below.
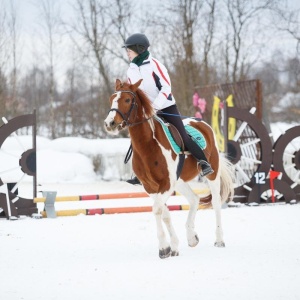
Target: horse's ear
(118, 84)
(136, 85)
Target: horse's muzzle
(112, 127)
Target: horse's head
(123, 107)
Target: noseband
(126, 116)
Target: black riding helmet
(137, 42)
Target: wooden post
(259, 100)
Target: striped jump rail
(50, 199)
(114, 210)
(114, 196)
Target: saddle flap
(176, 136)
(166, 127)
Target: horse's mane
(146, 103)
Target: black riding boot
(206, 168)
(198, 153)
(133, 180)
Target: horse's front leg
(163, 245)
(162, 213)
(173, 237)
(217, 205)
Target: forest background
(62, 57)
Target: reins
(126, 116)
(180, 116)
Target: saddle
(175, 139)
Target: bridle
(126, 116)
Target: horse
(155, 164)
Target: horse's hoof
(175, 253)
(164, 253)
(194, 242)
(220, 244)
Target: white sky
(31, 36)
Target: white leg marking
(184, 189)
(216, 203)
(161, 213)
(174, 242)
(160, 210)
(157, 209)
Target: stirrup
(205, 168)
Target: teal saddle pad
(196, 135)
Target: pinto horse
(155, 164)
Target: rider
(157, 86)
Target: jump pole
(115, 210)
(115, 196)
(50, 201)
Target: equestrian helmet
(137, 42)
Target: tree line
(78, 55)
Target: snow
(116, 256)
(279, 128)
(289, 99)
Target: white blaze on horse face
(112, 114)
(115, 101)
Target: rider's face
(131, 54)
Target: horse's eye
(127, 100)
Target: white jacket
(156, 82)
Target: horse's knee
(216, 201)
(157, 209)
(166, 218)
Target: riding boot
(133, 181)
(198, 153)
(205, 168)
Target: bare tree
(102, 27)
(98, 32)
(288, 21)
(51, 22)
(120, 15)
(178, 33)
(14, 36)
(242, 16)
(4, 56)
(207, 36)
(93, 29)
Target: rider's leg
(172, 115)
(134, 180)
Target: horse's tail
(226, 178)
(226, 170)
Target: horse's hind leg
(184, 189)
(217, 205)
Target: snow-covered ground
(116, 256)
